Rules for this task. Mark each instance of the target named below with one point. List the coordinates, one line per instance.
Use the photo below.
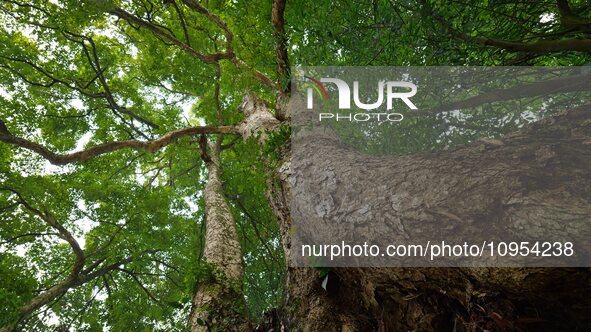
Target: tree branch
(150, 146)
(568, 84)
(61, 287)
(258, 75)
(281, 55)
(196, 6)
(539, 46)
(14, 238)
(569, 19)
(94, 62)
(89, 274)
(182, 21)
(206, 58)
(63, 232)
(139, 282)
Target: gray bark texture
(540, 174)
(219, 301)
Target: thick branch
(569, 19)
(77, 276)
(69, 283)
(150, 146)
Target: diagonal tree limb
(61, 287)
(62, 231)
(135, 278)
(182, 21)
(94, 62)
(33, 234)
(91, 274)
(196, 6)
(77, 276)
(206, 58)
(53, 79)
(258, 75)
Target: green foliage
(71, 76)
(245, 185)
(17, 284)
(277, 142)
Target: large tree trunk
(219, 300)
(541, 172)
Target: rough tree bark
(540, 172)
(219, 300)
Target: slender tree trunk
(219, 300)
(541, 172)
